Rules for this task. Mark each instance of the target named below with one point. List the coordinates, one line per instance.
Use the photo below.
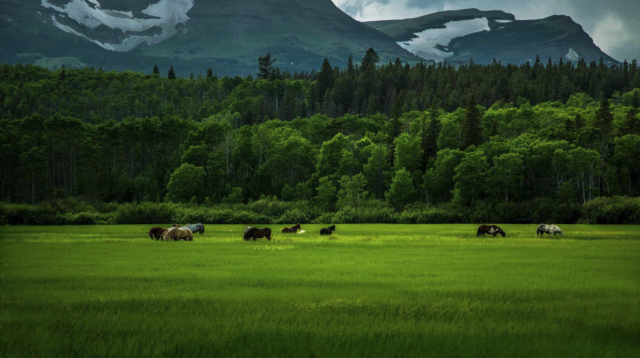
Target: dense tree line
(364, 89)
(485, 142)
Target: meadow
(368, 290)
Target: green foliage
(402, 192)
(185, 183)
(615, 210)
(352, 191)
(127, 137)
(326, 194)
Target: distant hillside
(482, 36)
(190, 34)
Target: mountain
(482, 36)
(227, 35)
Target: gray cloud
(614, 24)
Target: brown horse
(255, 233)
(491, 230)
(177, 234)
(156, 233)
(291, 230)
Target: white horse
(549, 229)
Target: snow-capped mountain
(482, 36)
(229, 36)
(192, 35)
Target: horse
(492, 230)
(328, 230)
(549, 229)
(255, 233)
(291, 230)
(156, 233)
(195, 228)
(177, 234)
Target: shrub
(616, 210)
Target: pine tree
(209, 73)
(156, 71)
(265, 67)
(171, 75)
(604, 118)
(351, 70)
(631, 124)
(471, 130)
(430, 142)
(325, 79)
(63, 73)
(191, 76)
(394, 129)
(370, 60)
(635, 100)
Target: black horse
(291, 230)
(328, 230)
(492, 230)
(255, 233)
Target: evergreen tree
(63, 73)
(604, 118)
(430, 142)
(393, 131)
(635, 100)
(265, 67)
(156, 71)
(209, 73)
(631, 124)
(471, 129)
(370, 60)
(171, 75)
(325, 79)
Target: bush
(144, 213)
(616, 210)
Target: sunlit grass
(368, 290)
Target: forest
(367, 143)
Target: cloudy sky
(613, 24)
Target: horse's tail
(202, 229)
(479, 232)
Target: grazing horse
(156, 233)
(195, 228)
(177, 234)
(255, 233)
(328, 230)
(549, 229)
(492, 230)
(291, 230)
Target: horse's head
(297, 227)
(332, 227)
(501, 232)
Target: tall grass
(368, 290)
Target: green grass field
(369, 290)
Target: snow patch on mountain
(431, 44)
(167, 14)
(572, 56)
(503, 21)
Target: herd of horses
(185, 232)
(541, 230)
(253, 233)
